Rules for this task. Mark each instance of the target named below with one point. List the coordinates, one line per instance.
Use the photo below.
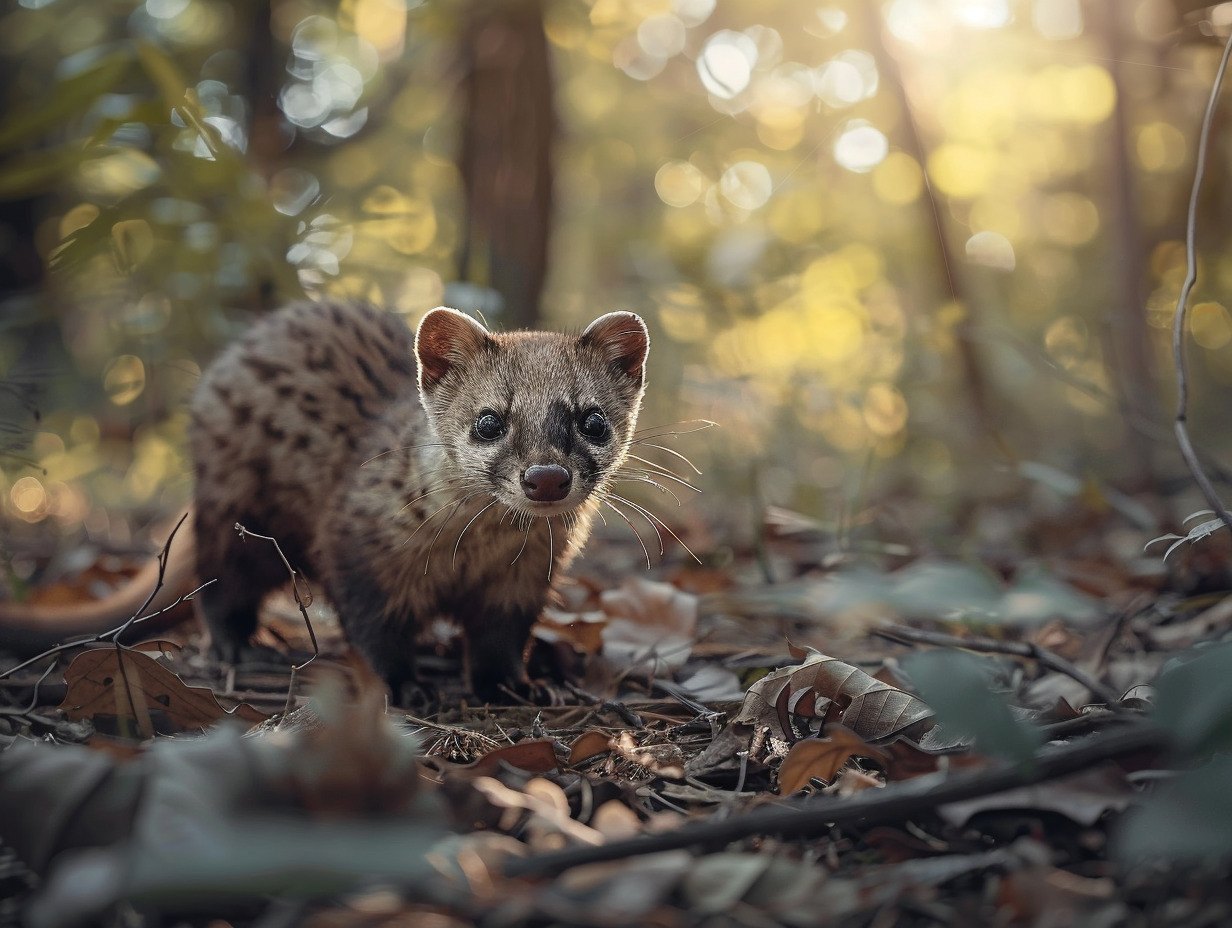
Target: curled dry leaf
(127, 684)
(823, 690)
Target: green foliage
(1189, 819)
(1194, 702)
(957, 687)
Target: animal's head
(537, 419)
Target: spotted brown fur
(352, 442)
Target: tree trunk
(505, 157)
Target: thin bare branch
(1191, 277)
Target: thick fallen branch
(793, 819)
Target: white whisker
(657, 468)
(672, 451)
(655, 520)
(659, 431)
(551, 548)
(448, 518)
(454, 558)
(381, 454)
(642, 478)
(629, 522)
(525, 538)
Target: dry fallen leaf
(128, 684)
(822, 758)
(823, 690)
(648, 622)
(582, 630)
(535, 755)
(589, 744)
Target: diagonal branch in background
(1191, 276)
(979, 391)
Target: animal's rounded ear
(623, 339)
(445, 339)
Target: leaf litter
(879, 740)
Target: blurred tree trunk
(505, 159)
(269, 140)
(978, 392)
(1126, 334)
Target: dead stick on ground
(902, 633)
(794, 819)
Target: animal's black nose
(546, 483)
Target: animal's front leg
(496, 642)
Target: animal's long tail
(27, 629)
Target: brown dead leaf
(908, 761)
(357, 761)
(102, 577)
(127, 684)
(821, 758)
(536, 755)
(582, 630)
(589, 744)
(823, 690)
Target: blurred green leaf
(955, 685)
(1194, 701)
(30, 175)
(164, 73)
(29, 124)
(1187, 820)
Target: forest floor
(800, 733)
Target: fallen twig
(903, 633)
(816, 815)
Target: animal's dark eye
(489, 426)
(594, 426)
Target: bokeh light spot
(960, 170)
(661, 36)
(679, 183)
(1069, 218)
(746, 184)
(860, 147)
(1057, 19)
(29, 498)
(726, 63)
(1210, 325)
(1160, 147)
(124, 379)
(991, 249)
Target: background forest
(919, 252)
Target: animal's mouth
(548, 509)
